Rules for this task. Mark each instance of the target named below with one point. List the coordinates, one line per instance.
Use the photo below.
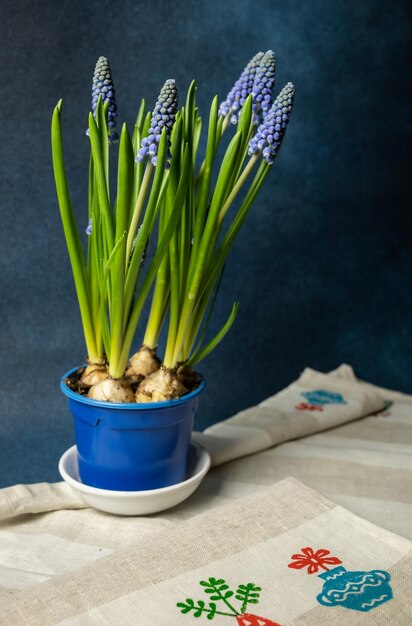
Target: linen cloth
(346, 464)
(285, 555)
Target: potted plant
(133, 413)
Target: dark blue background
(322, 268)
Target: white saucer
(137, 502)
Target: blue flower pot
(132, 447)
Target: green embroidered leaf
(248, 594)
(199, 609)
(212, 582)
(228, 594)
(189, 605)
(212, 613)
(185, 608)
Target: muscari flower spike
(270, 133)
(163, 116)
(103, 86)
(263, 86)
(236, 97)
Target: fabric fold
(37, 498)
(313, 403)
(310, 560)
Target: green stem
(154, 204)
(237, 187)
(229, 606)
(160, 299)
(197, 263)
(161, 251)
(137, 211)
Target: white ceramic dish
(137, 502)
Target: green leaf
(220, 255)
(101, 121)
(71, 233)
(100, 177)
(158, 258)
(217, 199)
(205, 302)
(189, 113)
(202, 354)
(198, 261)
(141, 114)
(203, 196)
(124, 199)
(124, 182)
(147, 224)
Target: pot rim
(129, 406)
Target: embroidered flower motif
(320, 396)
(355, 590)
(303, 406)
(313, 560)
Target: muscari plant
(190, 210)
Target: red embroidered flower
(313, 560)
(303, 406)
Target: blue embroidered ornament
(320, 396)
(359, 591)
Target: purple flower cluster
(263, 86)
(163, 116)
(240, 90)
(103, 86)
(270, 133)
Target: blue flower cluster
(270, 133)
(103, 86)
(236, 97)
(263, 86)
(163, 116)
